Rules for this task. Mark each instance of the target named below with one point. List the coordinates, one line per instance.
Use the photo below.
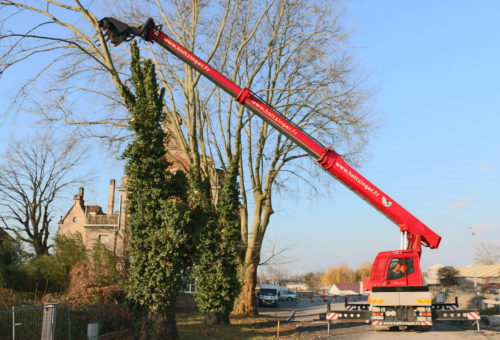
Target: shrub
(448, 275)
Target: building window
(188, 285)
(103, 239)
(74, 219)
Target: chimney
(111, 197)
(79, 197)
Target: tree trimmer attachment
(118, 32)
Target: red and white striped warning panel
(332, 316)
(473, 316)
(376, 323)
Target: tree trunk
(163, 327)
(216, 318)
(40, 248)
(245, 304)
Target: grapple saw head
(117, 31)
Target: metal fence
(62, 321)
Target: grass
(191, 326)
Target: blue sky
(434, 67)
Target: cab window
(400, 267)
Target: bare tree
(363, 271)
(32, 175)
(276, 274)
(313, 281)
(293, 51)
(487, 253)
(73, 67)
(339, 274)
(290, 51)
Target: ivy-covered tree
(216, 269)
(159, 217)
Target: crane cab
(397, 268)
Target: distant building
(483, 273)
(297, 286)
(95, 225)
(342, 289)
(431, 274)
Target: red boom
(417, 232)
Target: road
(309, 327)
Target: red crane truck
(398, 296)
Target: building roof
(480, 270)
(354, 286)
(94, 209)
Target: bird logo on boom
(386, 202)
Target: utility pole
(474, 259)
(475, 266)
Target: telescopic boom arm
(417, 233)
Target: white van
(287, 295)
(269, 295)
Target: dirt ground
(191, 327)
(443, 330)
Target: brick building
(108, 227)
(95, 225)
